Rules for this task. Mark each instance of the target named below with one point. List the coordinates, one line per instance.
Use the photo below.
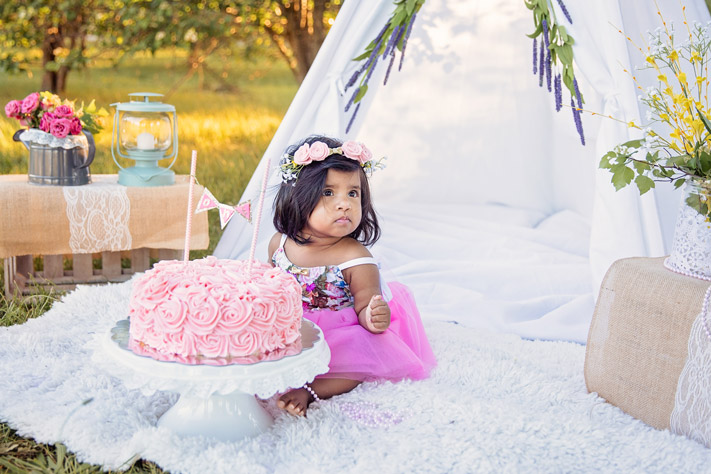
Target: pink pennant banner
(206, 202)
(244, 209)
(226, 213)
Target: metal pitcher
(59, 166)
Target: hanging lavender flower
(372, 68)
(541, 58)
(552, 55)
(390, 66)
(352, 99)
(565, 11)
(404, 42)
(397, 30)
(577, 93)
(394, 37)
(578, 121)
(370, 60)
(545, 33)
(350, 122)
(355, 75)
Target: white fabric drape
(493, 212)
(623, 223)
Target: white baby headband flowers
(291, 165)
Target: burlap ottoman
(646, 321)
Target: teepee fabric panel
(520, 224)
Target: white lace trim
(98, 217)
(36, 135)
(691, 250)
(691, 415)
(263, 379)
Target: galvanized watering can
(60, 166)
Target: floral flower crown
(291, 165)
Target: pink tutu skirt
(402, 351)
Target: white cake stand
(216, 401)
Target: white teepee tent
(493, 212)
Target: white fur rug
(494, 403)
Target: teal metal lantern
(145, 131)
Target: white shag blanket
(494, 403)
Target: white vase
(691, 250)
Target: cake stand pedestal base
(215, 401)
(226, 417)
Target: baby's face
(339, 211)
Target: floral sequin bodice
(321, 287)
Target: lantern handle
(114, 132)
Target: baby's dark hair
(296, 200)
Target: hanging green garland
(555, 50)
(391, 38)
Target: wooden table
(70, 228)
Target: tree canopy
(58, 34)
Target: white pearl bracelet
(311, 391)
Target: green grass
(229, 130)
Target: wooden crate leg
(169, 254)
(140, 260)
(24, 269)
(82, 267)
(24, 265)
(9, 269)
(53, 266)
(111, 264)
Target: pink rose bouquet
(49, 113)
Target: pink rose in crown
(319, 151)
(46, 121)
(64, 111)
(365, 155)
(13, 109)
(75, 128)
(60, 127)
(30, 103)
(352, 150)
(302, 156)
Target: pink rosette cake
(214, 311)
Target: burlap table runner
(101, 216)
(639, 335)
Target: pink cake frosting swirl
(213, 309)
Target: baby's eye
(327, 192)
(353, 194)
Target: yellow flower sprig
(677, 137)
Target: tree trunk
(61, 85)
(304, 33)
(49, 79)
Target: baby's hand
(377, 315)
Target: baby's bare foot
(295, 402)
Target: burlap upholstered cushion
(637, 344)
